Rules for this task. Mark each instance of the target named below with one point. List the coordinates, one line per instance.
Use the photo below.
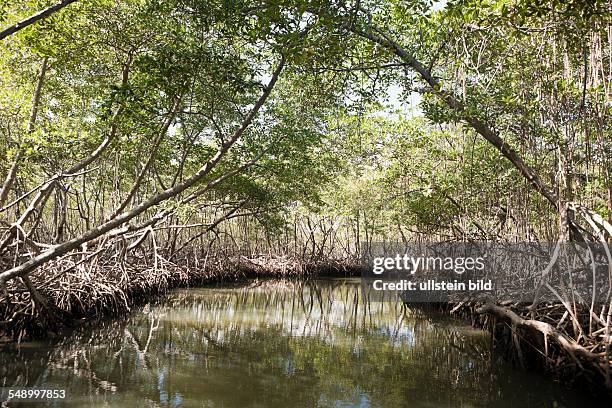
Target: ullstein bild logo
(450, 271)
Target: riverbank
(58, 296)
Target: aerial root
(66, 291)
(583, 356)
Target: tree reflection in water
(277, 343)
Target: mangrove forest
(309, 203)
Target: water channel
(276, 343)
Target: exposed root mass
(67, 294)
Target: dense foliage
(299, 127)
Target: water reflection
(277, 344)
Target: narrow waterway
(276, 344)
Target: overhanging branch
(34, 18)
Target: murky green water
(277, 344)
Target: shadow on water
(277, 344)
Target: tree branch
(61, 249)
(34, 18)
